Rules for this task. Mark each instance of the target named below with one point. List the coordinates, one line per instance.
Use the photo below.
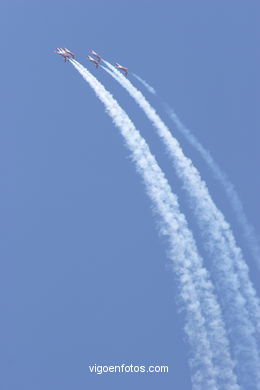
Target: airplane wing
(70, 52)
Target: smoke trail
(147, 86)
(237, 206)
(210, 362)
(236, 293)
(247, 229)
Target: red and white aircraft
(99, 58)
(93, 60)
(65, 53)
(122, 68)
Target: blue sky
(84, 275)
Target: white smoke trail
(248, 230)
(237, 206)
(237, 295)
(211, 363)
(147, 86)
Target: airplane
(96, 55)
(93, 60)
(69, 52)
(122, 68)
(65, 53)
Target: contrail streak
(147, 86)
(211, 364)
(237, 296)
(247, 229)
(237, 206)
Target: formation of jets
(67, 54)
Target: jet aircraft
(65, 53)
(96, 62)
(123, 68)
(96, 55)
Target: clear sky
(84, 275)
